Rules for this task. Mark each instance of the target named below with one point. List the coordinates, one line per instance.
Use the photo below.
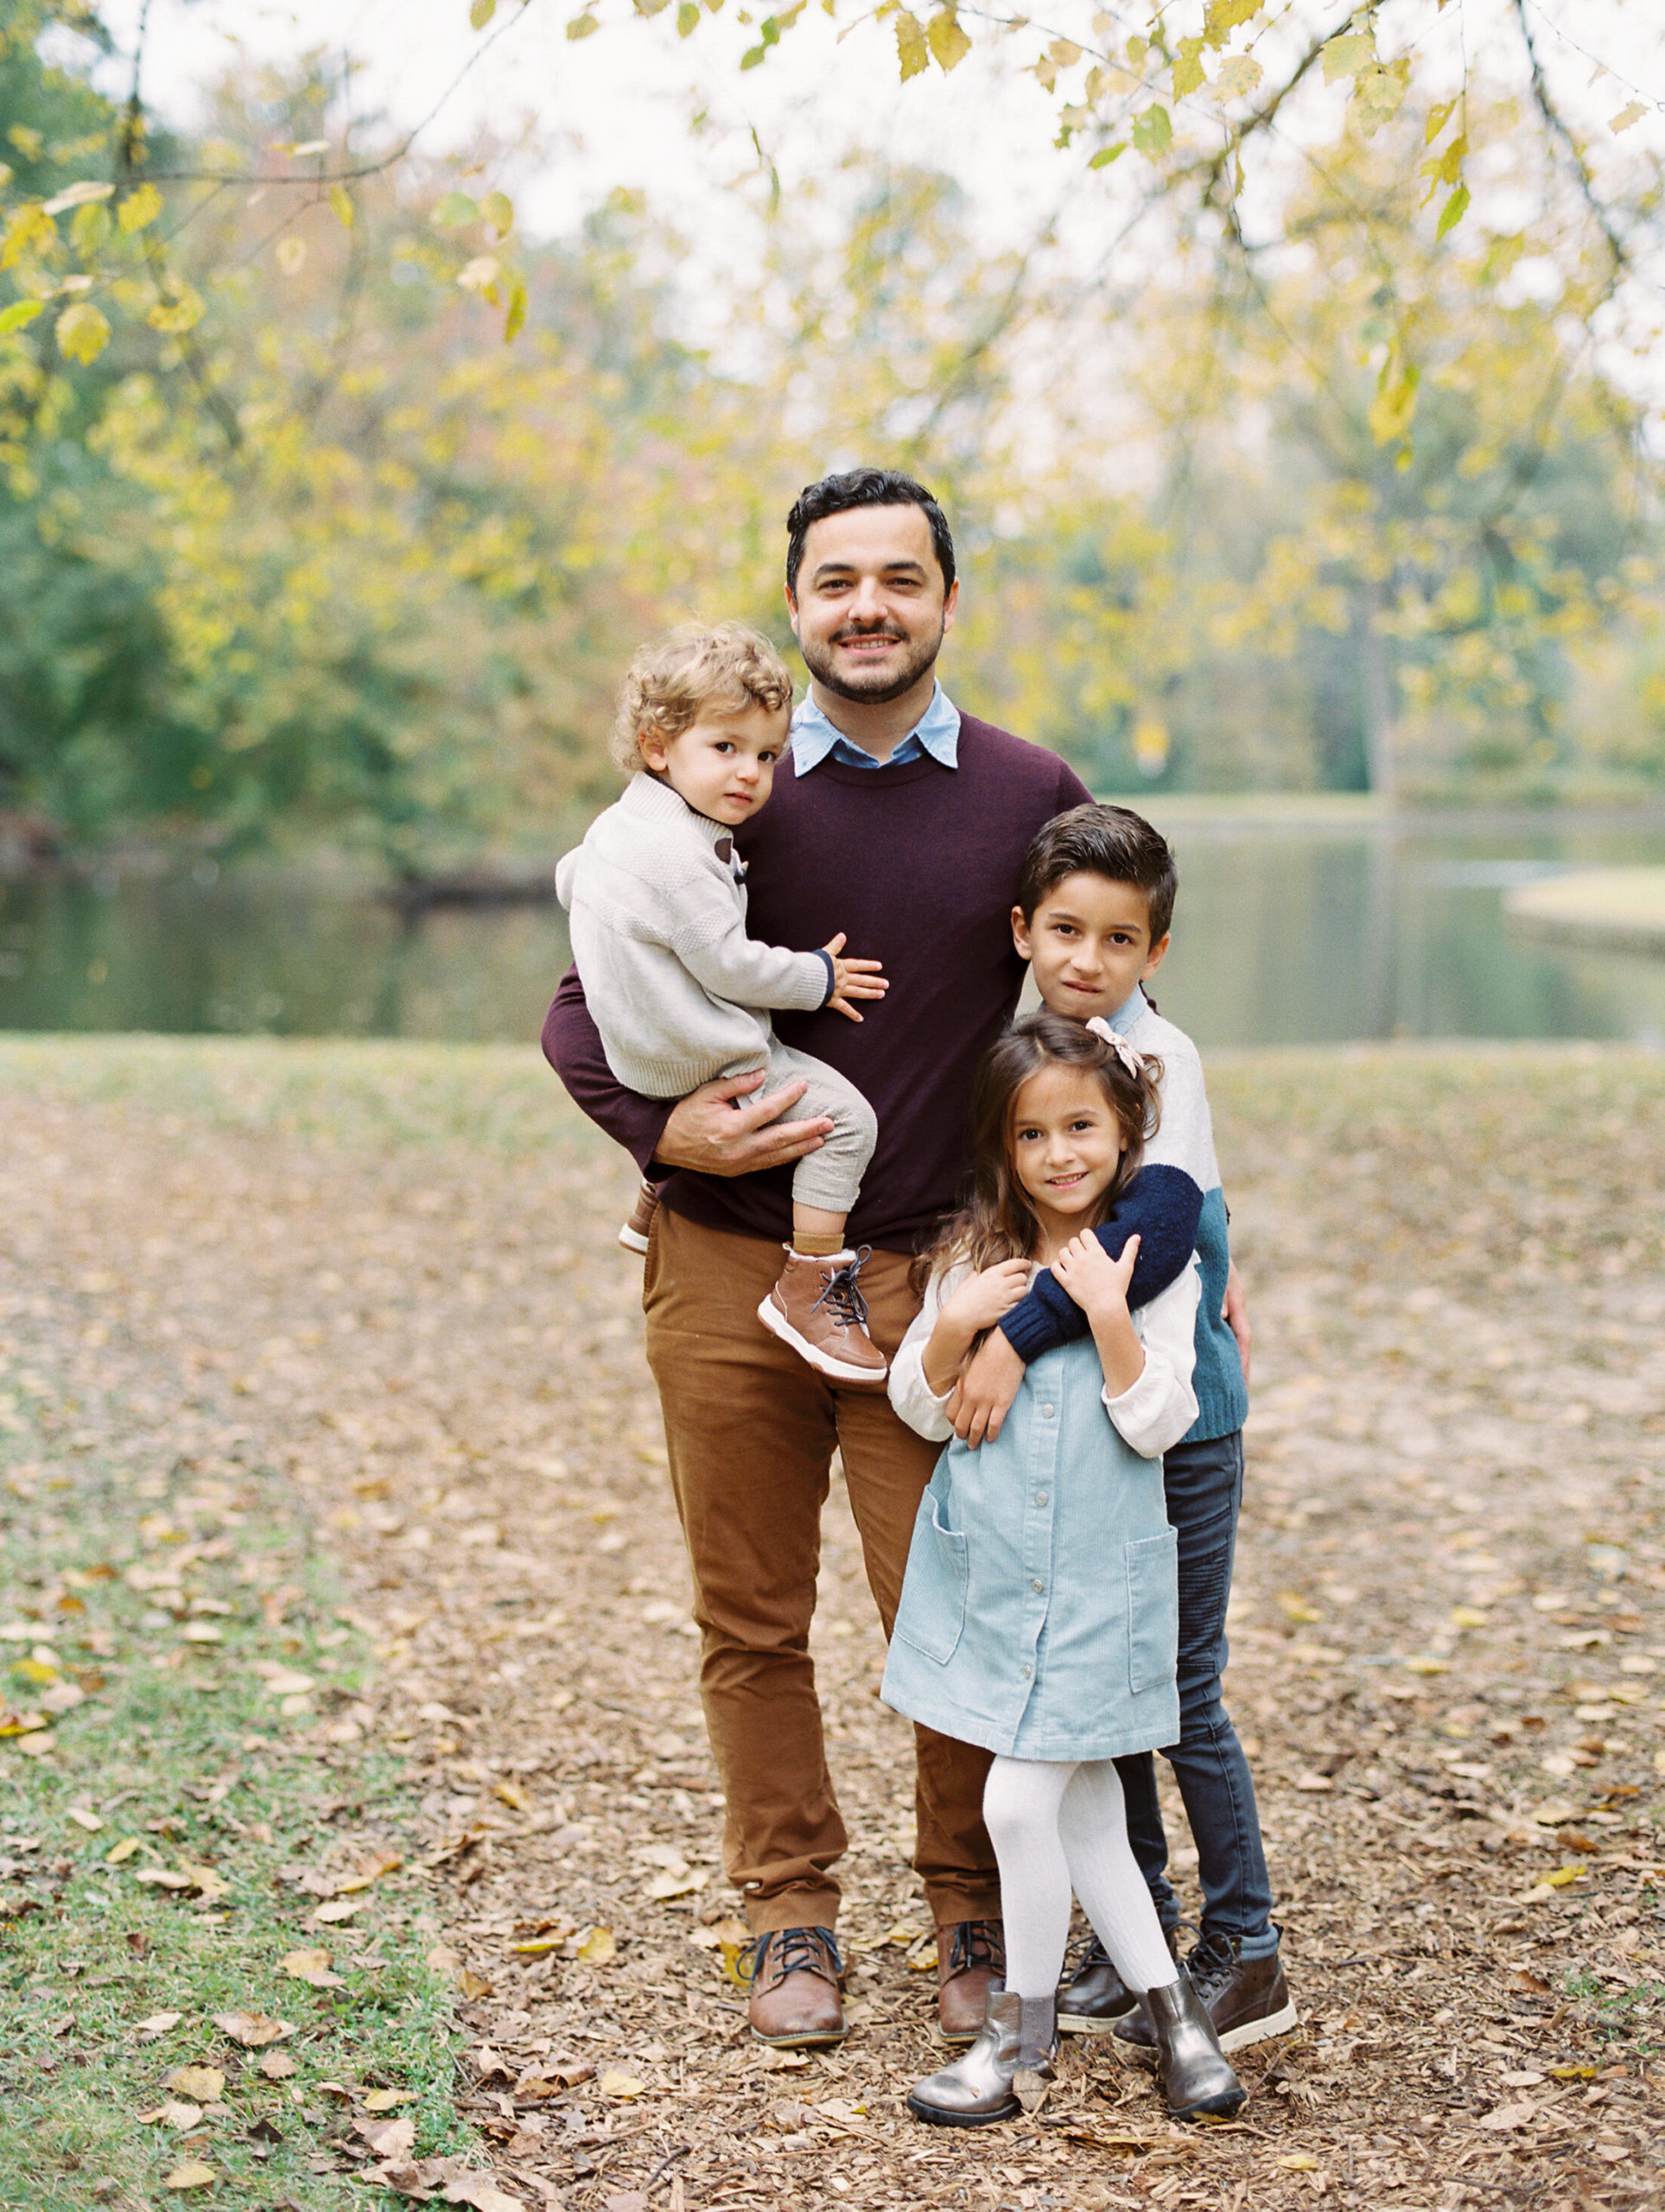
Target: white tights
(1057, 1826)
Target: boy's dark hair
(865, 487)
(1110, 841)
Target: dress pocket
(1153, 1611)
(931, 1615)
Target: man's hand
(713, 1133)
(983, 1396)
(1234, 1313)
(852, 979)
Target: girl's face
(1066, 1144)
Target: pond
(1289, 930)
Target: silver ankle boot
(1018, 2035)
(1195, 2073)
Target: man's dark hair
(1110, 840)
(865, 487)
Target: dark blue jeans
(1204, 1488)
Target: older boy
(1095, 907)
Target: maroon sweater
(919, 865)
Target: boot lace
(1209, 1965)
(791, 1950)
(977, 1945)
(843, 1295)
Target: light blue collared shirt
(936, 733)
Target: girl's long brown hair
(996, 1220)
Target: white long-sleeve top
(1153, 1413)
(678, 990)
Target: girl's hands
(980, 1301)
(852, 979)
(1097, 1283)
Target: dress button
(1040, 1497)
(1047, 1412)
(1025, 1670)
(1037, 1586)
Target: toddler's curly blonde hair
(700, 664)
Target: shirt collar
(1131, 1011)
(936, 733)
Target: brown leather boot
(970, 1963)
(793, 1974)
(817, 1308)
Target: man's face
(869, 609)
(1089, 940)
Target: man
(902, 822)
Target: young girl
(1040, 1612)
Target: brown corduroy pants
(751, 1429)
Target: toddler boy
(678, 989)
(1095, 904)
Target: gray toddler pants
(829, 1179)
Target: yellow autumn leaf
(598, 1949)
(140, 208)
(83, 1819)
(254, 2030)
(341, 201)
(1297, 2162)
(82, 332)
(192, 2174)
(385, 2100)
(204, 2085)
(120, 1852)
(946, 41)
(911, 48)
(310, 1966)
(481, 12)
(613, 2083)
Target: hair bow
(1133, 1061)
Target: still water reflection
(1283, 935)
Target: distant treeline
(297, 548)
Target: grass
(336, 1094)
(160, 1598)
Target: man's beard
(919, 661)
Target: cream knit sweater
(674, 984)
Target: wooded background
(330, 503)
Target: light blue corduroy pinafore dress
(1039, 1616)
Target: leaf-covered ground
(385, 1277)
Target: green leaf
(911, 48)
(90, 227)
(752, 56)
(498, 210)
(1154, 133)
(341, 201)
(139, 208)
(581, 26)
(515, 320)
(82, 332)
(947, 41)
(688, 18)
(454, 210)
(1452, 212)
(18, 314)
(1189, 75)
(1347, 55)
(650, 6)
(1439, 116)
(1105, 155)
(481, 12)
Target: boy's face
(724, 764)
(1089, 942)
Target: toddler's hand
(1096, 1282)
(852, 979)
(980, 1302)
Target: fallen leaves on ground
(1449, 1575)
